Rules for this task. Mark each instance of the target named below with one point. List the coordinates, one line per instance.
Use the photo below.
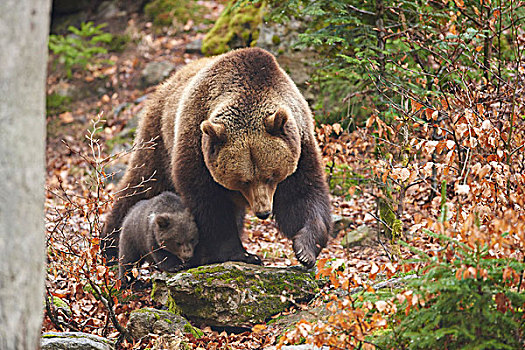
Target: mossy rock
(233, 294)
(74, 341)
(149, 320)
(166, 12)
(237, 26)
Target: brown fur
(158, 230)
(233, 131)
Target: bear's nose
(263, 215)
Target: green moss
(276, 40)
(205, 269)
(218, 272)
(388, 217)
(60, 303)
(165, 12)
(196, 332)
(172, 306)
(198, 290)
(153, 290)
(240, 20)
(118, 43)
(56, 104)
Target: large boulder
(74, 341)
(233, 294)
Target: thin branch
(358, 10)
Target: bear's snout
(186, 253)
(264, 215)
(260, 198)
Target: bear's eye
(245, 183)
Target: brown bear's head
(252, 160)
(177, 233)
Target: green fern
(79, 47)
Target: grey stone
(280, 39)
(65, 89)
(115, 172)
(340, 223)
(74, 341)
(233, 294)
(131, 126)
(148, 320)
(77, 92)
(194, 46)
(155, 72)
(108, 9)
(361, 235)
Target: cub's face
(177, 233)
(252, 162)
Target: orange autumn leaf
(459, 3)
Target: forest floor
(114, 92)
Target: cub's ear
(274, 123)
(162, 221)
(216, 131)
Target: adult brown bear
(232, 131)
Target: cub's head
(177, 233)
(252, 159)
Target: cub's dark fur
(159, 230)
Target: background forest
(420, 115)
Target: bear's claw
(247, 258)
(305, 250)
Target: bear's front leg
(302, 207)
(219, 224)
(218, 218)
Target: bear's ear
(162, 221)
(215, 131)
(274, 123)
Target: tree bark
(24, 25)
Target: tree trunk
(24, 25)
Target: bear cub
(159, 230)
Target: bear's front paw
(305, 248)
(247, 258)
(176, 268)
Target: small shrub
(80, 47)
(465, 299)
